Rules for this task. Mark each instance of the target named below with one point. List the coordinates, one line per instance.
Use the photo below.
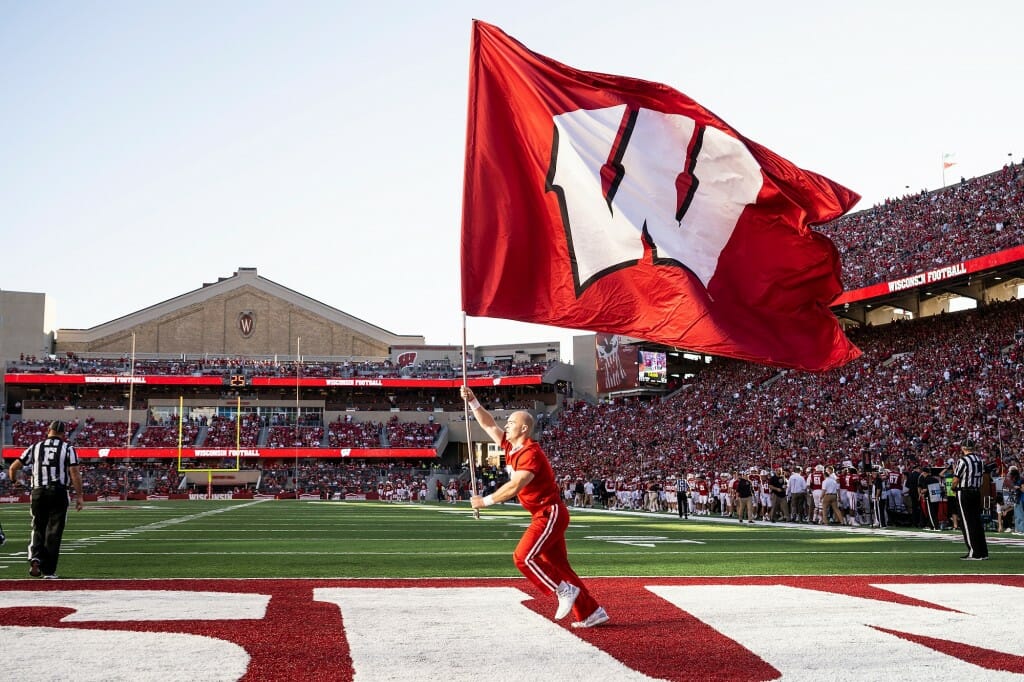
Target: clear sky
(149, 147)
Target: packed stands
(213, 366)
(291, 436)
(97, 434)
(411, 435)
(25, 433)
(352, 434)
(920, 388)
(523, 368)
(922, 231)
(332, 478)
(167, 436)
(223, 432)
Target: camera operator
(931, 494)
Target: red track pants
(542, 557)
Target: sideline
(992, 538)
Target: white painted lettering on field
(130, 605)
(112, 655)
(803, 633)
(462, 633)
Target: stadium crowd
(113, 479)
(919, 390)
(926, 230)
(322, 478)
(72, 363)
(221, 432)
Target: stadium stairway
(441, 442)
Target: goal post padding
(244, 477)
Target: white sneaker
(567, 594)
(598, 617)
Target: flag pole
(465, 407)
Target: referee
(54, 466)
(683, 496)
(967, 475)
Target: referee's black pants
(49, 515)
(969, 503)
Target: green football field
(310, 539)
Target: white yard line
(70, 546)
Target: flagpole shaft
(469, 431)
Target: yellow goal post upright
(209, 471)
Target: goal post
(196, 475)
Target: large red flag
(619, 205)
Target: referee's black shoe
(3, 538)
(33, 568)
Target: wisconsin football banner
(618, 205)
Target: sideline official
(683, 496)
(53, 463)
(967, 475)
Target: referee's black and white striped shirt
(49, 461)
(969, 471)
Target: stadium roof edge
(242, 277)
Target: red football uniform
(895, 480)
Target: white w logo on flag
(624, 176)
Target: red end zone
(661, 628)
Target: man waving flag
(619, 205)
